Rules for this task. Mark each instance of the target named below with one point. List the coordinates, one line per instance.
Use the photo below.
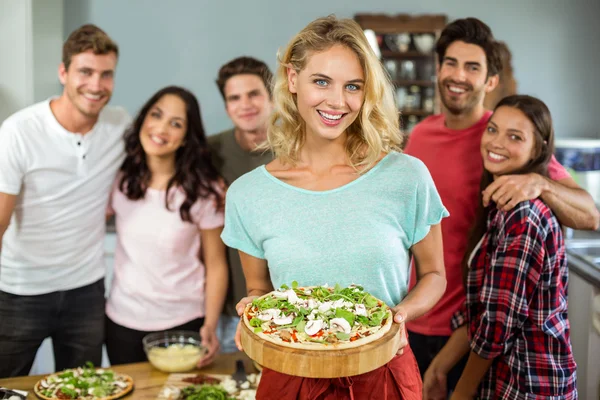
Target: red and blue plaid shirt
(516, 306)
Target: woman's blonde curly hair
(376, 130)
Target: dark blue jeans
(74, 319)
(426, 348)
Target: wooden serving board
(321, 363)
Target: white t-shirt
(62, 181)
(158, 278)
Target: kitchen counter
(583, 258)
(583, 254)
(147, 380)
(584, 268)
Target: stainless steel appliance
(582, 158)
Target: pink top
(158, 277)
(454, 161)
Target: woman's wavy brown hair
(194, 172)
(538, 113)
(375, 130)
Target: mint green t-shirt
(359, 233)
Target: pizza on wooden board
(84, 383)
(318, 317)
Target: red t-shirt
(454, 161)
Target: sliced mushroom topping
(313, 327)
(340, 325)
(269, 314)
(292, 297)
(302, 303)
(280, 295)
(341, 303)
(360, 309)
(338, 303)
(323, 308)
(284, 320)
(312, 304)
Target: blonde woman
(340, 203)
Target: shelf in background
(406, 54)
(412, 63)
(414, 82)
(418, 113)
(391, 24)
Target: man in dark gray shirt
(245, 84)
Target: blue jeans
(226, 333)
(426, 348)
(74, 319)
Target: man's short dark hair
(244, 65)
(87, 37)
(472, 31)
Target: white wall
(31, 36)
(16, 55)
(48, 22)
(554, 43)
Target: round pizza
(318, 317)
(85, 383)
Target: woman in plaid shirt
(514, 324)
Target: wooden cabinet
(407, 47)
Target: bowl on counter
(174, 351)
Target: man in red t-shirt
(448, 144)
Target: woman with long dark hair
(170, 264)
(514, 326)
